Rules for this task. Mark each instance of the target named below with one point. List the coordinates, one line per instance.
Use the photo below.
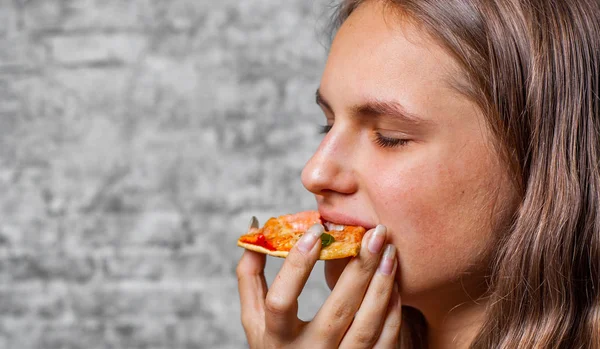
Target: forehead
(378, 53)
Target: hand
(362, 311)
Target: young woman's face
(408, 151)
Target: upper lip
(343, 219)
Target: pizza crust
(261, 249)
(336, 250)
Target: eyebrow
(377, 108)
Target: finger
(390, 333)
(369, 320)
(252, 287)
(335, 316)
(281, 304)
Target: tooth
(336, 227)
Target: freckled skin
(440, 195)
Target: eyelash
(387, 142)
(382, 141)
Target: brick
(21, 204)
(43, 14)
(11, 304)
(173, 80)
(8, 19)
(109, 14)
(20, 333)
(176, 301)
(97, 230)
(118, 14)
(260, 96)
(34, 301)
(142, 334)
(163, 265)
(50, 16)
(78, 335)
(303, 135)
(113, 49)
(299, 93)
(20, 56)
(159, 228)
(23, 266)
(135, 266)
(274, 35)
(200, 333)
(84, 83)
(39, 233)
(9, 235)
(90, 302)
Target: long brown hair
(533, 68)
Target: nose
(331, 168)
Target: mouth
(334, 221)
(332, 226)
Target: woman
(466, 136)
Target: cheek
(418, 196)
(440, 196)
(440, 217)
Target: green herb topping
(326, 240)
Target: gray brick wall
(137, 138)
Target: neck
(454, 319)
(457, 328)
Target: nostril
(329, 171)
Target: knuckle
(365, 337)
(394, 324)
(242, 270)
(239, 271)
(324, 337)
(247, 321)
(343, 312)
(382, 290)
(297, 261)
(276, 304)
(273, 344)
(394, 321)
(254, 332)
(248, 329)
(368, 265)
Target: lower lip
(340, 219)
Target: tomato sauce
(261, 241)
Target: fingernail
(386, 265)
(377, 239)
(253, 223)
(308, 239)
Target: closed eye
(380, 140)
(389, 142)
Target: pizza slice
(279, 235)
